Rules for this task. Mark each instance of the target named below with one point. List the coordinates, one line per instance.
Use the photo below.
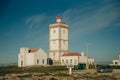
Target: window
(54, 31)
(43, 61)
(75, 61)
(116, 63)
(21, 63)
(37, 61)
(70, 60)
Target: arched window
(21, 63)
(70, 60)
(37, 61)
(63, 60)
(43, 61)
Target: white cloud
(35, 25)
(35, 21)
(89, 19)
(37, 30)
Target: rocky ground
(90, 74)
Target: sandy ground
(90, 74)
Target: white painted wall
(83, 59)
(62, 53)
(91, 61)
(64, 33)
(54, 33)
(76, 60)
(40, 55)
(22, 57)
(54, 45)
(116, 61)
(66, 60)
(19, 60)
(30, 59)
(54, 55)
(57, 40)
(64, 45)
(54, 38)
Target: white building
(31, 57)
(58, 47)
(58, 39)
(91, 60)
(70, 59)
(75, 58)
(83, 58)
(116, 61)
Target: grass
(38, 69)
(53, 72)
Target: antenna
(87, 46)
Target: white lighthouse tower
(58, 39)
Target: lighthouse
(58, 39)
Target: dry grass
(55, 73)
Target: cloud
(37, 30)
(35, 25)
(35, 21)
(91, 18)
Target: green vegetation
(54, 73)
(37, 69)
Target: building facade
(75, 58)
(31, 57)
(116, 61)
(70, 59)
(58, 39)
(58, 49)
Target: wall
(83, 59)
(40, 55)
(22, 56)
(64, 33)
(30, 59)
(54, 33)
(69, 58)
(91, 61)
(54, 55)
(54, 45)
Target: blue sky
(94, 26)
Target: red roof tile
(71, 54)
(33, 50)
